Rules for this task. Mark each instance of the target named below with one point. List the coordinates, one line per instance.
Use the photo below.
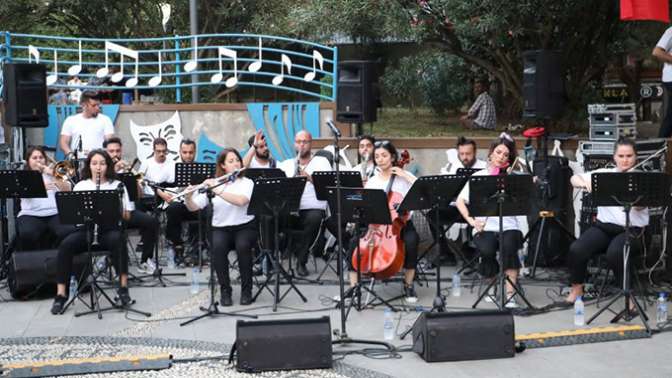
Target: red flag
(656, 10)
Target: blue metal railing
(60, 54)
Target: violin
(381, 250)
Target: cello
(381, 250)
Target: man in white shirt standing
(311, 211)
(87, 130)
(662, 53)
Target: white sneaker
(511, 303)
(490, 296)
(148, 267)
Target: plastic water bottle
(661, 310)
(457, 285)
(579, 312)
(388, 325)
(170, 256)
(195, 284)
(73, 286)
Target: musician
(502, 154)
(386, 158)
(607, 236)
(177, 212)
(367, 166)
(466, 153)
(147, 224)
(159, 169)
(232, 227)
(97, 174)
(258, 156)
(311, 211)
(40, 215)
(87, 130)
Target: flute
(198, 187)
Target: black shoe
(245, 298)
(124, 296)
(225, 299)
(59, 303)
(302, 271)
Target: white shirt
(40, 207)
(478, 164)
(491, 223)
(157, 172)
(226, 213)
(105, 185)
(665, 43)
(400, 184)
(308, 198)
(254, 163)
(615, 214)
(370, 171)
(91, 130)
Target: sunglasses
(382, 143)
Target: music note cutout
(118, 76)
(309, 76)
(33, 52)
(256, 65)
(156, 80)
(51, 79)
(284, 62)
(193, 62)
(216, 78)
(77, 68)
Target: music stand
(187, 174)
(362, 207)
(466, 171)
(213, 309)
(255, 173)
(103, 208)
(629, 189)
(434, 192)
(15, 184)
(324, 179)
(500, 196)
(273, 197)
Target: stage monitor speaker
(357, 94)
(284, 344)
(34, 271)
(25, 95)
(543, 84)
(464, 335)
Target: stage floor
(642, 357)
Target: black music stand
(500, 196)
(273, 197)
(187, 174)
(15, 184)
(213, 309)
(629, 189)
(103, 208)
(322, 180)
(255, 173)
(434, 192)
(466, 171)
(362, 207)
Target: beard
(264, 155)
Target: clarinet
(298, 166)
(95, 225)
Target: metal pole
(193, 28)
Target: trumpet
(64, 170)
(220, 180)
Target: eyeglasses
(302, 141)
(382, 143)
(506, 136)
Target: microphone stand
(342, 336)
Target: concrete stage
(641, 358)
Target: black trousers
(411, 240)
(241, 238)
(600, 239)
(487, 244)
(309, 223)
(149, 231)
(176, 213)
(665, 130)
(447, 217)
(76, 243)
(34, 230)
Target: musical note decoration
(317, 57)
(193, 62)
(77, 68)
(156, 80)
(216, 78)
(118, 76)
(256, 65)
(33, 52)
(53, 78)
(284, 62)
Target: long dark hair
(389, 147)
(110, 174)
(29, 153)
(508, 141)
(219, 171)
